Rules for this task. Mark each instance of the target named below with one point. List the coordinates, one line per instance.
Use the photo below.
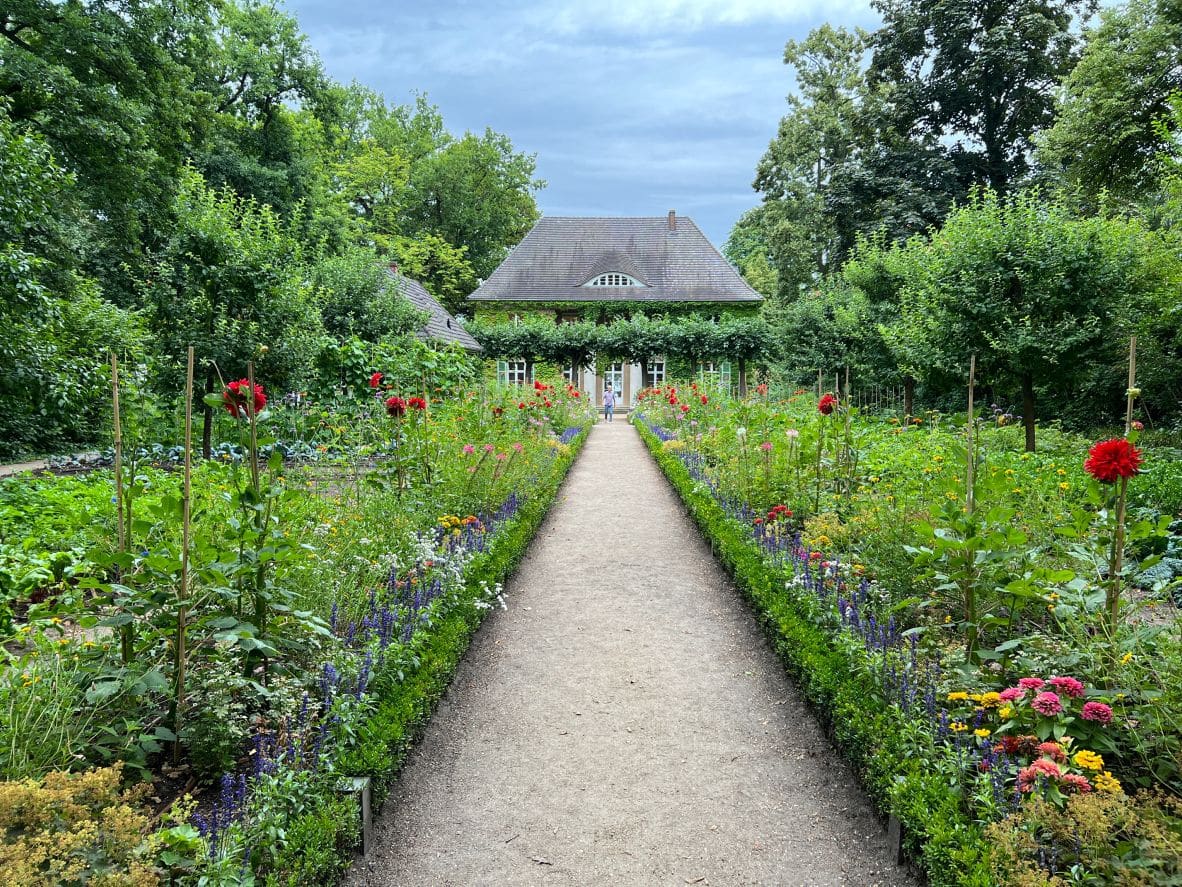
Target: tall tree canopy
(1114, 119)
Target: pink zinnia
(1052, 750)
(1068, 687)
(488, 448)
(469, 449)
(501, 457)
(766, 446)
(1075, 782)
(1098, 712)
(1012, 694)
(1047, 704)
(517, 448)
(1028, 776)
(1031, 683)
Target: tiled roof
(440, 325)
(562, 253)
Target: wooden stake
(970, 431)
(122, 525)
(1132, 384)
(183, 590)
(254, 434)
(118, 453)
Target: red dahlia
(827, 404)
(234, 398)
(417, 403)
(375, 380)
(1110, 460)
(396, 406)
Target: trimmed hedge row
(404, 706)
(831, 672)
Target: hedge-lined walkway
(624, 722)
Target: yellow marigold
(991, 699)
(1088, 760)
(1106, 782)
(958, 727)
(1065, 486)
(982, 733)
(958, 696)
(1004, 712)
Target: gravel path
(624, 722)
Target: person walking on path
(609, 402)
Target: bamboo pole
(122, 527)
(970, 432)
(183, 590)
(1129, 397)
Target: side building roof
(670, 256)
(440, 324)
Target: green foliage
(637, 339)
(442, 268)
(1036, 294)
(359, 298)
(1110, 134)
(976, 77)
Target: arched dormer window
(613, 279)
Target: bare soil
(624, 722)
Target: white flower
(741, 433)
(792, 434)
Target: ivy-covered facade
(601, 271)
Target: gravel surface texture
(624, 722)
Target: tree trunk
(644, 373)
(742, 378)
(908, 396)
(207, 417)
(1028, 409)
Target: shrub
(74, 829)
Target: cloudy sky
(633, 107)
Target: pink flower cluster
(1049, 702)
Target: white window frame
(656, 373)
(513, 372)
(613, 279)
(614, 373)
(718, 373)
(570, 373)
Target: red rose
(375, 380)
(827, 404)
(234, 398)
(1112, 459)
(396, 406)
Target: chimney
(672, 221)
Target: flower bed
(303, 639)
(994, 779)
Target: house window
(568, 317)
(613, 279)
(571, 374)
(656, 370)
(614, 374)
(512, 372)
(717, 373)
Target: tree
(816, 135)
(229, 282)
(1038, 295)
(976, 75)
(440, 267)
(1109, 134)
(107, 84)
(55, 330)
(475, 192)
(358, 298)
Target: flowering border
(831, 665)
(403, 693)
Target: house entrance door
(614, 373)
